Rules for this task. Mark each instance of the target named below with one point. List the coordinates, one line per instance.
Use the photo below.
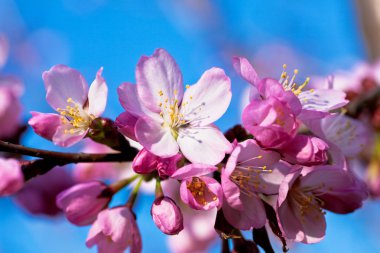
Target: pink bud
(144, 162)
(11, 177)
(306, 150)
(167, 216)
(82, 202)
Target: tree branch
(63, 157)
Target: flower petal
(130, 101)
(323, 100)
(64, 138)
(61, 83)
(156, 138)
(245, 70)
(193, 170)
(158, 74)
(205, 145)
(126, 123)
(45, 124)
(97, 95)
(208, 99)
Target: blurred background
(317, 37)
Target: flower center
(247, 177)
(75, 115)
(289, 82)
(200, 191)
(174, 114)
(306, 200)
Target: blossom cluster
(292, 155)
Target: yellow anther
(69, 100)
(175, 92)
(284, 66)
(191, 97)
(296, 71)
(160, 93)
(187, 86)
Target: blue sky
(315, 36)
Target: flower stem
(159, 193)
(132, 199)
(115, 187)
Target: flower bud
(306, 150)
(167, 216)
(144, 162)
(11, 177)
(82, 202)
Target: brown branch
(62, 157)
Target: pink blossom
(250, 170)
(197, 235)
(67, 92)
(146, 162)
(96, 171)
(351, 136)
(303, 194)
(39, 194)
(81, 203)
(114, 231)
(308, 103)
(167, 216)
(10, 105)
(272, 123)
(306, 150)
(11, 177)
(171, 120)
(199, 191)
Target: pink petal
(126, 123)
(45, 124)
(208, 99)
(61, 83)
(322, 99)
(203, 144)
(245, 70)
(130, 101)
(64, 139)
(193, 170)
(155, 74)
(231, 192)
(97, 95)
(156, 138)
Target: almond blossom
(67, 92)
(11, 177)
(167, 119)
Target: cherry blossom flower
(197, 235)
(304, 193)
(171, 120)
(250, 170)
(11, 177)
(67, 92)
(314, 102)
(167, 215)
(115, 230)
(81, 203)
(198, 190)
